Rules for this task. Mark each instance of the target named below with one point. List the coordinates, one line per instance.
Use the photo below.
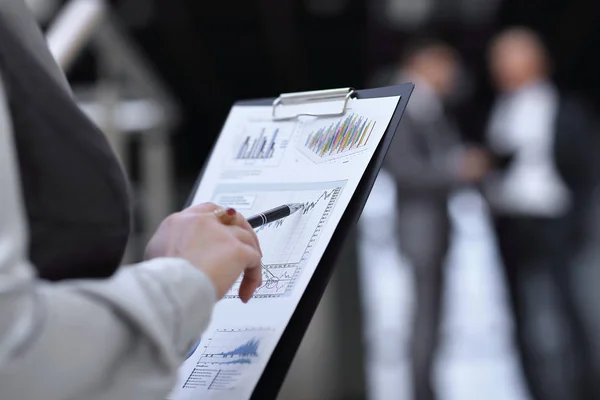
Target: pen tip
(295, 207)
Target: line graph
(226, 353)
(337, 139)
(261, 144)
(286, 243)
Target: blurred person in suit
(428, 162)
(541, 142)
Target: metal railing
(128, 102)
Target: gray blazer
(120, 338)
(418, 159)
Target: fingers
(252, 278)
(248, 237)
(227, 216)
(202, 208)
(243, 223)
(249, 251)
(245, 237)
(250, 282)
(230, 216)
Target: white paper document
(258, 164)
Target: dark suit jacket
(423, 185)
(576, 157)
(75, 192)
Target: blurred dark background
(212, 53)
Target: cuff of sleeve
(193, 296)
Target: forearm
(120, 338)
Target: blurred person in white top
(539, 194)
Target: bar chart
(338, 139)
(261, 145)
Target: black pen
(274, 214)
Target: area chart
(225, 357)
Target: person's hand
(222, 246)
(475, 164)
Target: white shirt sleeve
(119, 338)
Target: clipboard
(281, 359)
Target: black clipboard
(279, 363)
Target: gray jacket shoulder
(18, 18)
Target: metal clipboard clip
(290, 99)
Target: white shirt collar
(541, 87)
